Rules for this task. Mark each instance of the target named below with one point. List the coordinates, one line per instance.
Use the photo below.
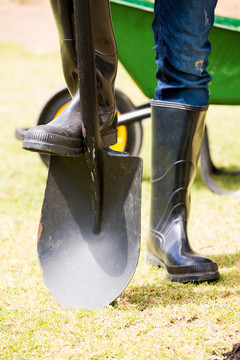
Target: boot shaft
(104, 42)
(177, 132)
(177, 136)
(105, 54)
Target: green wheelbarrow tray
(132, 22)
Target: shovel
(89, 233)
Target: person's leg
(181, 29)
(63, 135)
(64, 15)
(178, 117)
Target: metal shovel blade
(81, 268)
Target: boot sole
(190, 276)
(51, 149)
(49, 145)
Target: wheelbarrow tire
(56, 101)
(60, 98)
(134, 130)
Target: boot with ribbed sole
(63, 135)
(177, 132)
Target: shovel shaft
(88, 94)
(86, 69)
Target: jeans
(181, 29)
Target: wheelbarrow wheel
(129, 136)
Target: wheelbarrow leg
(208, 169)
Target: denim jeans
(181, 29)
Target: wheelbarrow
(132, 25)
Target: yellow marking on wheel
(122, 139)
(61, 109)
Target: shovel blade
(81, 268)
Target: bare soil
(234, 354)
(30, 22)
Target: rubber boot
(63, 135)
(64, 18)
(177, 132)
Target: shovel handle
(87, 71)
(89, 107)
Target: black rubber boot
(63, 135)
(177, 132)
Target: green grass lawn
(153, 318)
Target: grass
(153, 318)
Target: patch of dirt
(31, 22)
(234, 354)
(228, 8)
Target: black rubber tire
(55, 101)
(134, 130)
(124, 104)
